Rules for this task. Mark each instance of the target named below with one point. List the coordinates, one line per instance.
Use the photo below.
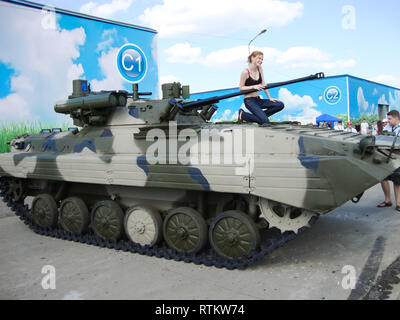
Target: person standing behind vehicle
(393, 118)
(386, 125)
(364, 127)
(357, 127)
(374, 128)
(253, 78)
(350, 128)
(339, 126)
(377, 129)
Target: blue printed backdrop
(46, 50)
(304, 101)
(366, 95)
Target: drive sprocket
(285, 217)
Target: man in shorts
(393, 118)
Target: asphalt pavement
(351, 253)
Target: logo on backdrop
(132, 63)
(332, 95)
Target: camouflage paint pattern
(305, 167)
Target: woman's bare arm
(264, 85)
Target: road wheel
(44, 211)
(185, 230)
(108, 220)
(74, 215)
(233, 234)
(143, 225)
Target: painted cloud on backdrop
(363, 105)
(293, 103)
(42, 57)
(394, 100)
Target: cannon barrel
(208, 101)
(91, 101)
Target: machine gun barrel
(204, 102)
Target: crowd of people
(377, 127)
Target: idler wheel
(4, 185)
(185, 230)
(14, 188)
(233, 234)
(108, 220)
(44, 211)
(74, 215)
(143, 225)
(285, 217)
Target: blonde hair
(253, 55)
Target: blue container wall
(304, 100)
(43, 50)
(366, 95)
(105, 39)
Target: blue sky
(367, 47)
(200, 43)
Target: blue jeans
(256, 106)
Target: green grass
(9, 130)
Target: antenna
(260, 33)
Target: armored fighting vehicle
(157, 177)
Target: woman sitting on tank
(253, 78)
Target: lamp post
(260, 33)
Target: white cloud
(293, 103)
(295, 57)
(339, 64)
(301, 57)
(15, 107)
(387, 79)
(112, 79)
(226, 56)
(169, 78)
(106, 10)
(88, 7)
(42, 60)
(362, 103)
(308, 57)
(394, 100)
(226, 116)
(108, 38)
(22, 84)
(176, 17)
(382, 100)
(183, 53)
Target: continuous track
(271, 240)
